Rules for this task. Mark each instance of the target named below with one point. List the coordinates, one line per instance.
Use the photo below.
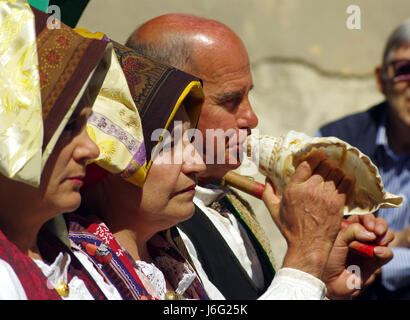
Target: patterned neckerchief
(96, 241)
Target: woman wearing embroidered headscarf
(49, 80)
(143, 182)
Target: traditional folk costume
(121, 125)
(45, 73)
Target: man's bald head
(211, 51)
(178, 39)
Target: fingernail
(379, 228)
(378, 251)
(369, 234)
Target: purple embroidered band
(110, 128)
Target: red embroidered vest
(30, 276)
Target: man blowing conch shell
(223, 230)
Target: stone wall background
(308, 67)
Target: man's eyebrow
(231, 95)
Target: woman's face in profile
(64, 171)
(167, 195)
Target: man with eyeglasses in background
(383, 133)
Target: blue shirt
(395, 173)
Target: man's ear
(378, 73)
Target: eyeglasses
(401, 70)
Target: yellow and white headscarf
(44, 73)
(138, 96)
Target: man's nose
(246, 116)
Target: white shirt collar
(209, 193)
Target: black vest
(220, 263)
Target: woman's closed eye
(71, 125)
(169, 144)
(75, 124)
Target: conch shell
(278, 157)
